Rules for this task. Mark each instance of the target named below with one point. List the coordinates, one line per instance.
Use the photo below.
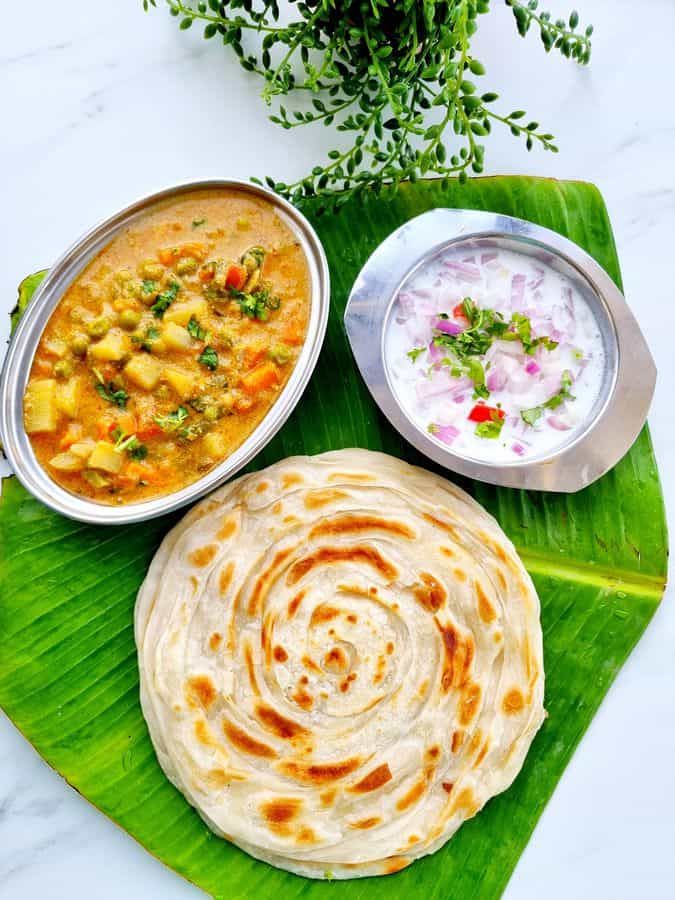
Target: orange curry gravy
(170, 347)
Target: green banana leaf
(68, 672)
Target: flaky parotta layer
(341, 661)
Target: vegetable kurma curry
(169, 349)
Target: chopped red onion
(557, 423)
(445, 433)
(518, 448)
(463, 271)
(447, 326)
(517, 292)
(533, 367)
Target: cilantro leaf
(165, 299)
(415, 352)
(196, 223)
(173, 420)
(531, 416)
(113, 394)
(256, 305)
(195, 330)
(149, 286)
(209, 358)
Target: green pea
(211, 413)
(129, 319)
(79, 344)
(63, 368)
(280, 354)
(98, 327)
(186, 266)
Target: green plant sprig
(398, 75)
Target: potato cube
(181, 313)
(113, 347)
(214, 445)
(176, 338)
(67, 462)
(182, 383)
(105, 457)
(83, 448)
(68, 397)
(144, 371)
(39, 406)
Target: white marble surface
(101, 104)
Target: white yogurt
(440, 399)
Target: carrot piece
(207, 272)
(170, 255)
(149, 431)
(235, 276)
(253, 353)
(292, 334)
(72, 434)
(143, 472)
(261, 378)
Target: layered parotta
(341, 661)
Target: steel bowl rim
(573, 465)
(67, 267)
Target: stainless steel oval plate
(630, 374)
(25, 340)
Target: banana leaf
(68, 672)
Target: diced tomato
(236, 277)
(207, 272)
(150, 431)
(483, 413)
(458, 311)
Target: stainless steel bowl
(630, 375)
(22, 348)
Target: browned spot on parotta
(482, 753)
(513, 701)
(351, 476)
(457, 740)
(433, 752)
(468, 704)
(280, 654)
(447, 786)
(363, 824)
(290, 479)
(263, 581)
(215, 640)
(244, 742)
(261, 487)
(327, 798)
(320, 773)
(323, 613)
(429, 593)
(346, 682)
(309, 663)
(458, 657)
(281, 810)
(447, 551)
(485, 609)
(444, 526)
(357, 523)
(227, 529)
(202, 556)
(373, 780)
(328, 555)
(395, 864)
(295, 603)
(317, 499)
(305, 835)
(250, 668)
(219, 778)
(203, 734)
(200, 691)
(225, 579)
(465, 802)
(302, 698)
(336, 660)
(413, 795)
(273, 721)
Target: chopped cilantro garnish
(209, 358)
(165, 299)
(415, 352)
(256, 305)
(197, 222)
(138, 451)
(129, 443)
(151, 335)
(195, 330)
(112, 394)
(148, 286)
(173, 420)
(532, 415)
(476, 372)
